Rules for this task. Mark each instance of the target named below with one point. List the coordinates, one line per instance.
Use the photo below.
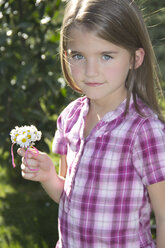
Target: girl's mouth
(93, 84)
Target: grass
(28, 217)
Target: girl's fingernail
(20, 152)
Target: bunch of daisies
(25, 136)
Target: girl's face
(98, 67)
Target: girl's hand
(41, 163)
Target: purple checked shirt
(105, 203)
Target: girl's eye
(106, 57)
(77, 57)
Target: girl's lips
(94, 84)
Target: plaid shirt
(105, 203)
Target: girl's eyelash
(77, 56)
(107, 57)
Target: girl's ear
(139, 57)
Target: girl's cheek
(75, 70)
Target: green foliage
(32, 90)
(28, 217)
(154, 15)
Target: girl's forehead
(76, 30)
(83, 39)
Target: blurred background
(33, 91)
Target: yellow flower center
(23, 140)
(29, 136)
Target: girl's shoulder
(149, 119)
(74, 108)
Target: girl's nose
(92, 68)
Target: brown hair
(119, 22)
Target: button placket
(72, 175)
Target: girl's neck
(97, 110)
(100, 108)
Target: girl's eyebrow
(104, 52)
(72, 52)
(109, 52)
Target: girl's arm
(157, 196)
(45, 173)
(52, 184)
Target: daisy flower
(25, 137)
(23, 140)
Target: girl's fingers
(23, 167)
(21, 152)
(32, 159)
(29, 175)
(29, 169)
(30, 162)
(36, 165)
(32, 153)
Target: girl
(111, 140)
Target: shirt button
(76, 160)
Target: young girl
(111, 140)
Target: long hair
(119, 22)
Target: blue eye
(106, 57)
(77, 56)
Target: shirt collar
(110, 115)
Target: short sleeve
(59, 142)
(149, 152)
